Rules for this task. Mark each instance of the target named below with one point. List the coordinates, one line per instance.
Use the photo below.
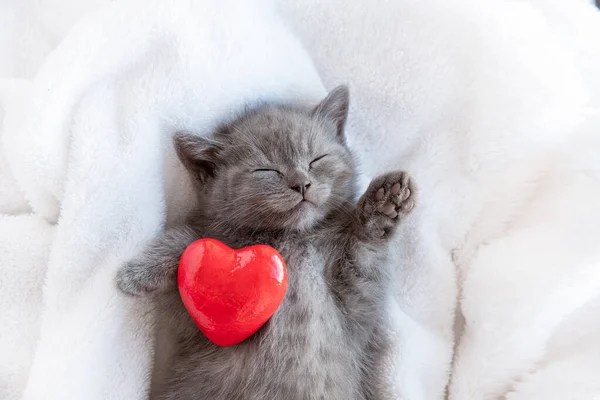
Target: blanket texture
(493, 106)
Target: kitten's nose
(301, 187)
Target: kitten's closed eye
(263, 170)
(316, 160)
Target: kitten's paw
(394, 194)
(139, 278)
(388, 196)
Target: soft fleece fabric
(493, 106)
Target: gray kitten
(283, 176)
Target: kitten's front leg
(366, 274)
(155, 269)
(388, 198)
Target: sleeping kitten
(283, 176)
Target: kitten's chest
(308, 331)
(309, 299)
(304, 349)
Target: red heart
(230, 293)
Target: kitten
(283, 176)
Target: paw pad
(394, 194)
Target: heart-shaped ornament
(230, 293)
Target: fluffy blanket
(493, 106)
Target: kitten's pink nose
(301, 188)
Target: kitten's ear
(335, 107)
(198, 154)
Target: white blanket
(493, 106)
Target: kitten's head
(275, 167)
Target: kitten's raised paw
(393, 193)
(388, 196)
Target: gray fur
(325, 340)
